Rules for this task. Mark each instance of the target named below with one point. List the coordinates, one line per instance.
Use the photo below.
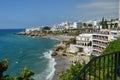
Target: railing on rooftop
(104, 67)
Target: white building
(119, 15)
(101, 39)
(62, 26)
(32, 29)
(73, 49)
(83, 39)
(94, 23)
(77, 25)
(57, 27)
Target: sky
(16, 14)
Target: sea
(32, 52)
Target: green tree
(105, 26)
(90, 43)
(3, 67)
(25, 74)
(90, 25)
(116, 25)
(46, 28)
(112, 47)
(71, 71)
(77, 33)
(84, 24)
(80, 49)
(103, 23)
(111, 24)
(73, 41)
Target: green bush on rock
(24, 75)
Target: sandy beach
(62, 61)
(62, 65)
(59, 37)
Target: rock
(64, 55)
(21, 33)
(59, 48)
(54, 54)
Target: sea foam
(49, 71)
(54, 38)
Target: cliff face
(32, 33)
(54, 33)
(59, 49)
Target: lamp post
(119, 15)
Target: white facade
(119, 13)
(32, 29)
(57, 27)
(77, 25)
(94, 23)
(101, 39)
(67, 25)
(83, 39)
(73, 48)
(62, 26)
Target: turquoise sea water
(33, 52)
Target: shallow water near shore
(33, 52)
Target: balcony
(100, 39)
(101, 33)
(98, 48)
(100, 44)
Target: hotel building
(101, 39)
(27, 30)
(77, 25)
(84, 39)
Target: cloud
(101, 5)
(103, 8)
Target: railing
(100, 44)
(100, 39)
(104, 67)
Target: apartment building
(100, 40)
(84, 39)
(77, 25)
(32, 29)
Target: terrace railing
(104, 67)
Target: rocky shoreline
(62, 65)
(58, 51)
(61, 58)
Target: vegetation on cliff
(74, 69)
(45, 31)
(105, 23)
(46, 28)
(24, 75)
(112, 47)
(71, 71)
